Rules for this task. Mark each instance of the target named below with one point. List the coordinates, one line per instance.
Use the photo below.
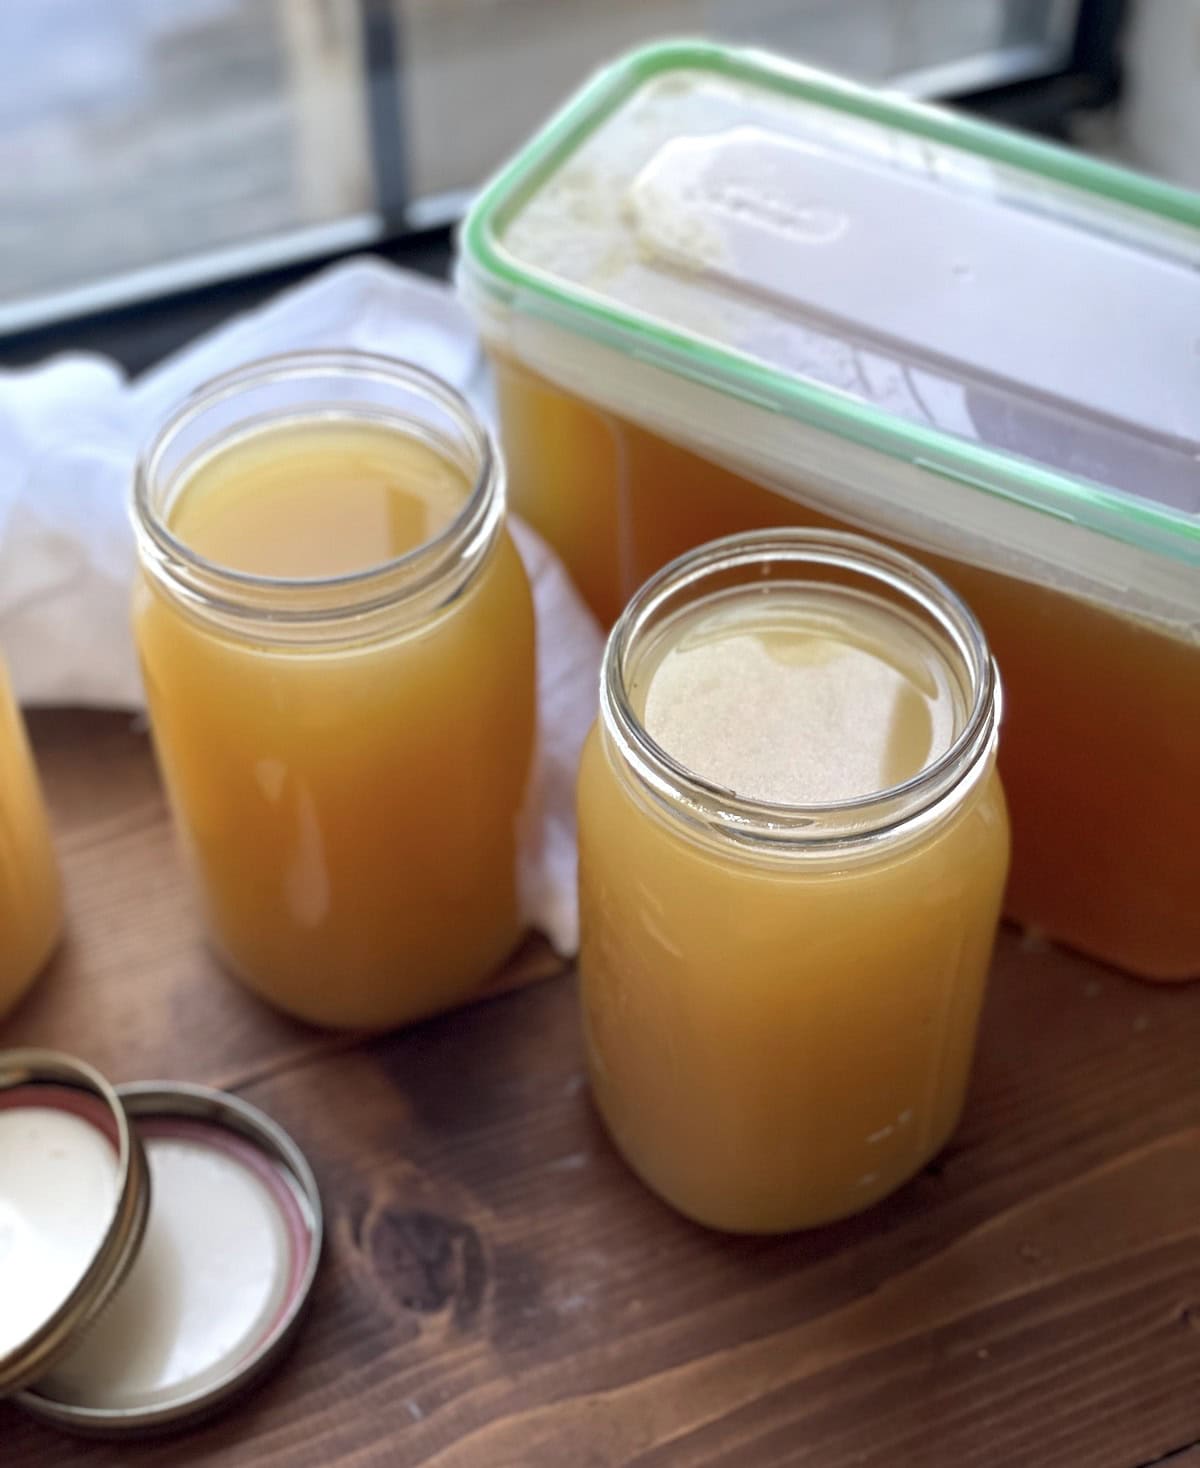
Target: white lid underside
(58, 1189)
(210, 1277)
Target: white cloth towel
(70, 431)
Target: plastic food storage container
(336, 636)
(724, 292)
(30, 896)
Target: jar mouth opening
(348, 593)
(818, 824)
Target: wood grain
(500, 1293)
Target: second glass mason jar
(793, 845)
(337, 641)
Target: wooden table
(499, 1292)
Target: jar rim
(231, 592)
(814, 826)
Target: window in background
(481, 74)
(147, 146)
(139, 134)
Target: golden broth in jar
(792, 849)
(336, 635)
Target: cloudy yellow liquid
(350, 810)
(777, 1042)
(30, 900)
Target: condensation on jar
(793, 846)
(336, 637)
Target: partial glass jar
(30, 895)
(337, 641)
(780, 999)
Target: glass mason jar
(780, 1000)
(30, 896)
(346, 749)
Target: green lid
(923, 322)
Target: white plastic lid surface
(976, 304)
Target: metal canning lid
(47, 1101)
(218, 1289)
